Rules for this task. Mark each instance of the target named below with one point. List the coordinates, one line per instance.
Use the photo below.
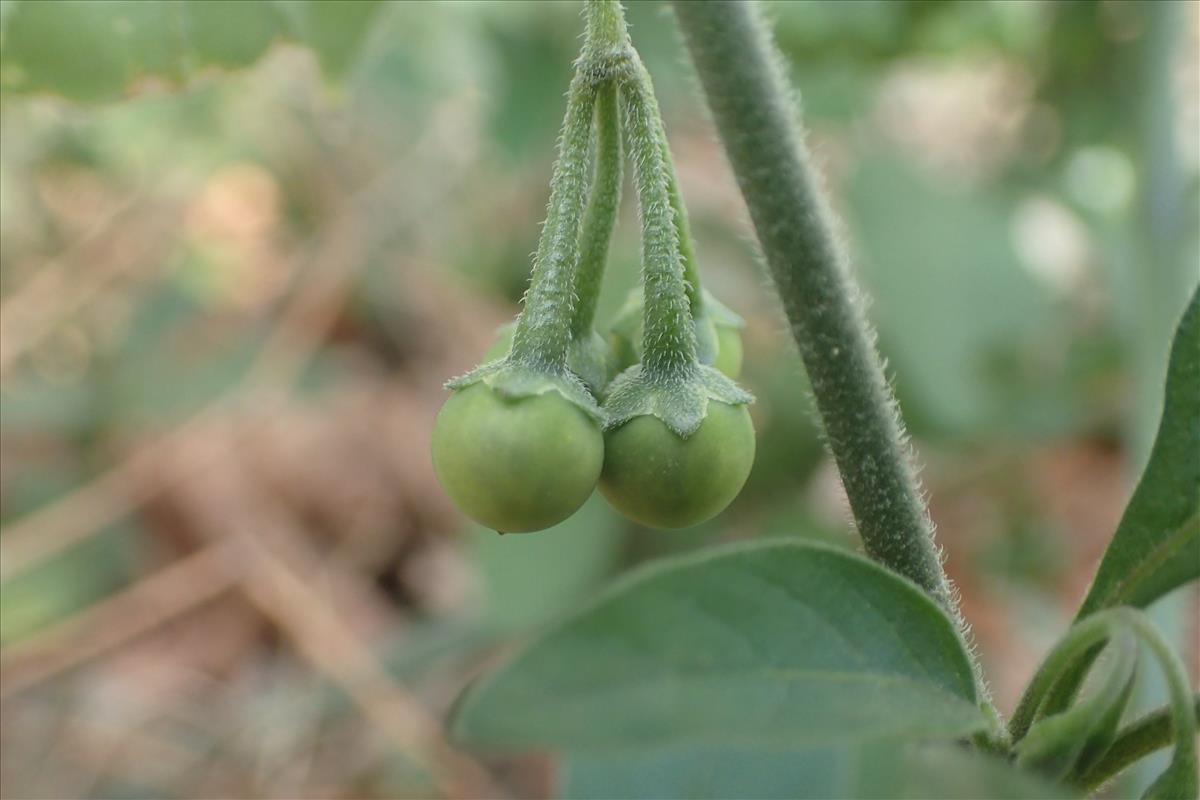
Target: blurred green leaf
(529, 580)
(37, 405)
(937, 261)
(97, 50)
(1157, 544)
(529, 48)
(789, 441)
(335, 31)
(68, 583)
(883, 769)
(779, 644)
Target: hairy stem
(683, 227)
(601, 215)
(669, 341)
(606, 38)
(544, 327)
(755, 114)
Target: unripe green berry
(663, 480)
(516, 465)
(729, 350)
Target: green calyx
(589, 357)
(681, 401)
(512, 379)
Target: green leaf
(97, 50)
(1072, 741)
(1085, 638)
(335, 31)
(1136, 740)
(1157, 544)
(877, 770)
(530, 580)
(700, 772)
(935, 260)
(778, 644)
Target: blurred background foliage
(245, 243)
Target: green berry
(729, 350)
(516, 465)
(663, 480)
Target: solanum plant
(773, 669)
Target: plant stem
(1135, 741)
(544, 326)
(754, 110)
(669, 340)
(607, 39)
(601, 214)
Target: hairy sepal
(515, 380)
(680, 401)
(589, 356)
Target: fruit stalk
(606, 39)
(601, 215)
(669, 347)
(687, 250)
(544, 326)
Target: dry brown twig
(50, 530)
(282, 577)
(58, 290)
(256, 547)
(307, 317)
(151, 602)
(269, 568)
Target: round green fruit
(660, 479)
(516, 465)
(729, 350)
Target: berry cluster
(649, 412)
